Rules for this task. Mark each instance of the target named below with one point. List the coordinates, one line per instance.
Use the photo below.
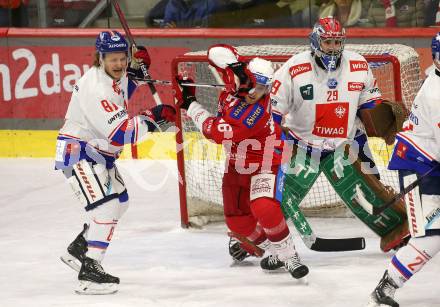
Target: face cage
(329, 60)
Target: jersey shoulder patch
(254, 115)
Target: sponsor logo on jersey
(238, 110)
(306, 91)
(358, 66)
(76, 88)
(299, 69)
(355, 86)
(332, 83)
(254, 115)
(273, 102)
(331, 120)
(118, 115)
(261, 185)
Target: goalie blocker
(345, 173)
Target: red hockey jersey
(252, 140)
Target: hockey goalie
(319, 96)
(251, 140)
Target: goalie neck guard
(328, 29)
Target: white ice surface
(161, 264)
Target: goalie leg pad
(412, 258)
(294, 182)
(344, 172)
(94, 184)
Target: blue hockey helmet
(111, 41)
(435, 47)
(325, 29)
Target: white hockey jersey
(418, 146)
(320, 107)
(97, 124)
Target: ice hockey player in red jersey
(251, 139)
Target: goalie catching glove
(384, 120)
(140, 62)
(185, 95)
(158, 116)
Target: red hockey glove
(140, 62)
(159, 115)
(185, 95)
(141, 55)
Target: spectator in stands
(189, 13)
(13, 13)
(155, 17)
(400, 13)
(431, 9)
(304, 13)
(351, 13)
(252, 14)
(68, 13)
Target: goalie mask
(327, 42)
(234, 72)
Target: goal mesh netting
(396, 68)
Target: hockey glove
(185, 95)
(140, 62)
(158, 116)
(245, 77)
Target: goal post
(201, 162)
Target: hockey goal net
(201, 162)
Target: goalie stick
(361, 200)
(130, 38)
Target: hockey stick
(320, 244)
(144, 69)
(361, 200)
(165, 82)
(248, 245)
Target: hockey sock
(244, 225)
(285, 248)
(102, 222)
(269, 215)
(411, 258)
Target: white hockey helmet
(262, 70)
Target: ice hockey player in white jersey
(96, 128)
(320, 96)
(417, 151)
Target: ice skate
(76, 251)
(294, 266)
(271, 264)
(94, 280)
(383, 295)
(237, 253)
